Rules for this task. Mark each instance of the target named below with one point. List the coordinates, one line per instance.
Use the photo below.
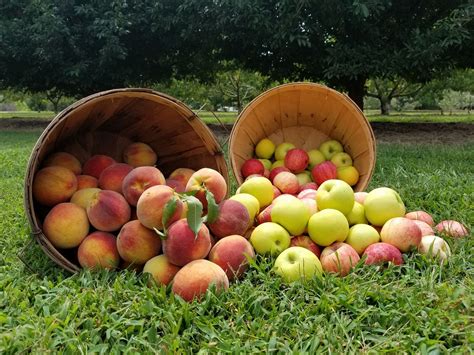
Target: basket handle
(220, 122)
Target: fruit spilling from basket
(184, 232)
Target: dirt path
(410, 133)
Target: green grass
(420, 307)
(46, 115)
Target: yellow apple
(277, 163)
(250, 202)
(357, 215)
(335, 194)
(297, 263)
(270, 238)
(382, 204)
(282, 149)
(293, 215)
(328, 226)
(261, 188)
(315, 158)
(361, 236)
(348, 174)
(265, 149)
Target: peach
(151, 205)
(99, 251)
(181, 245)
(112, 177)
(53, 185)
(296, 160)
(231, 254)
(402, 233)
(339, 258)
(137, 244)
(66, 225)
(233, 218)
(96, 164)
(287, 183)
(65, 160)
(182, 174)
(193, 280)
(86, 181)
(139, 154)
(251, 167)
(108, 211)
(140, 179)
(421, 216)
(177, 185)
(161, 270)
(83, 197)
(209, 179)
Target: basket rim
(298, 85)
(33, 164)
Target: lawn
(421, 307)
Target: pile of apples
(302, 170)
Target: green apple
(434, 246)
(264, 149)
(341, 159)
(330, 148)
(250, 202)
(357, 215)
(270, 238)
(304, 177)
(361, 236)
(348, 174)
(277, 163)
(315, 158)
(261, 188)
(336, 194)
(282, 149)
(382, 204)
(293, 215)
(297, 263)
(266, 163)
(328, 226)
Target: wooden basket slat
(105, 123)
(306, 115)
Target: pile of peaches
(184, 232)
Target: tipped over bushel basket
(105, 123)
(306, 115)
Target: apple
(341, 159)
(276, 192)
(421, 216)
(315, 158)
(348, 174)
(330, 148)
(328, 226)
(335, 194)
(310, 204)
(265, 148)
(381, 204)
(269, 238)
(452, 228)
(324, 171)
(339, 258)
(266, 163)
(305, 241)
(282, 149)
(297, 263)
(434, 246)
(296, 160)
(265, 215)
(308, 193)
(275, 171)
(251, 167)
(360, 196)
(381, 253)
(277, 163)
(292, 215)
(357, 215)
(425, 228)
(287, 183)
(402, 233)
(304, 178)
(261, 188)
(361, 236)
(284, 197)
(309, 186)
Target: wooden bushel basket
(105, 123)
(306, 115)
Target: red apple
(308, 193)
(275, 171)
(309, 186)
(381, 253)
(252, 166)
(452, 228)
(339, 258)
(425, 228)
(402, 233)
(324, 171)
(296, 160)
(265, 215)
(421, 216)
(305, 242)
(287, 183)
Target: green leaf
(212, 207)
(168, 211)
(194, 214)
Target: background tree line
(231, 50)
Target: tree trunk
(385, 106)
(356, 90)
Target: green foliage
(420, 307)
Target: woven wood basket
(306, 115)
(105, 123)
